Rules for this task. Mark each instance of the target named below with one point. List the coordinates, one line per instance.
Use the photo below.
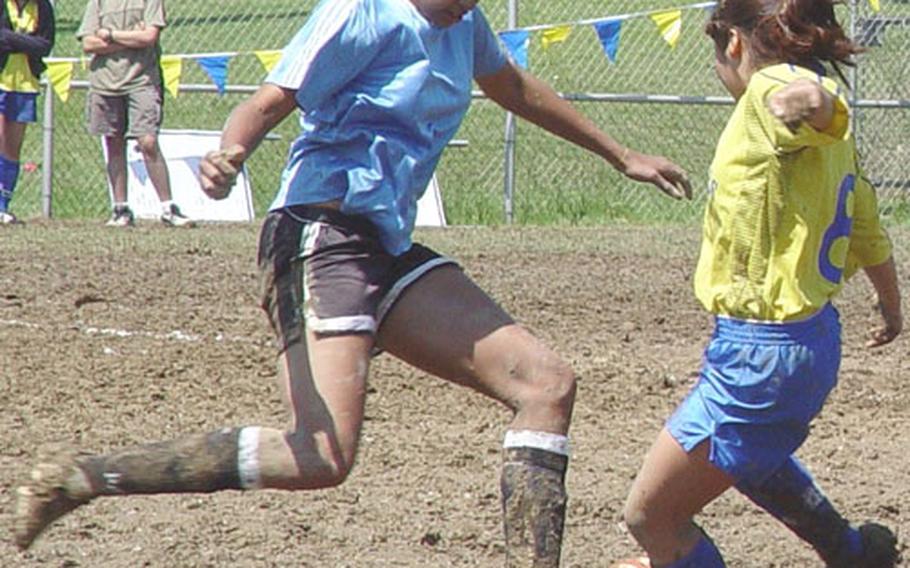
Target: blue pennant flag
(608, 33)
(516, 41)
(216, 68)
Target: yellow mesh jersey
(789, 216)
(16, 76)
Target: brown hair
(791, 31)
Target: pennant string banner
(60, 74)
(172, 68)
(517, 43)
(608, 33)
(670, 25)
(608, 30)
(269, 59)
(216, 68)
(555, 35)
(629, 16)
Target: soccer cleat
(121, 217)
(53, 492)
(7, 218)
(879, 549)
(639, 562)
(174, 218)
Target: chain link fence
(656, 98)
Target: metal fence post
(47, 160)
(853, 94)
(509, 165)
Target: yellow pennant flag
(555, 35)
(669, 23)
(876, 5)
(60, 74)
(172, 68)
(269, 59)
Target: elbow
(150, 38)
(45, 49)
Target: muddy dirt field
(115, 337)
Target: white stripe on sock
(556, 443)
(248, 458)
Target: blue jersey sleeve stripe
(297, 57)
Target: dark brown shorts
(328, 271)
(138, 113)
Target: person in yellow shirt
(26, 36)
(789, 218)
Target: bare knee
(637, 521)
(148, 145)
(547, 390)
(322, 462)
(661, 532)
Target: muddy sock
(792, 496)
(200, 463)
(534, 497)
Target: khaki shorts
(327, 271)
(138, 113)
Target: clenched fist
(218, 171)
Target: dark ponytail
(793, 31)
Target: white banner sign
(183, 150)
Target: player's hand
(893, 325)
(667, 176)
(218, 171)
(802, 101)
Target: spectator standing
(125, 99)
(26, 36)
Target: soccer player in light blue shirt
(374, 128)
(382, 86)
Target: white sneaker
(174, 218)
(7, 218)
(121, 217)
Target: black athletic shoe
(879, 549)
(121, 217)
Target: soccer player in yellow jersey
(26, 35)
(789, 218)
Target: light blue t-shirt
(382, 92)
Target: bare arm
(534, 100)
(97, 46)
(138, 38)
(106, 40)
(803, 101)
(245, 128)
(884, 280)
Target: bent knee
(649, 524)
(547, 384)
(321, 464)
(331, 474)
(636, 520)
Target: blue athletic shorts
(760, 386)
(19, 107)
